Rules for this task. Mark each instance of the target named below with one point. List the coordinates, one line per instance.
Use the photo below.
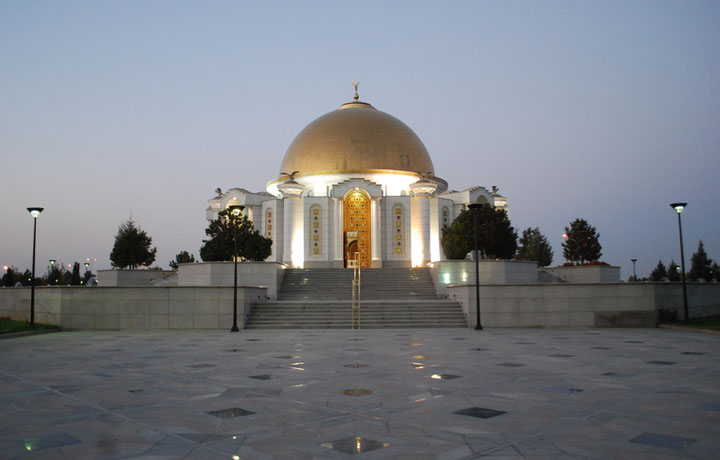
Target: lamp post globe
(236, 211)
(679, 208)
(34, 212)
(475, 209)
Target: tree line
(497, 239)
(56, 275)
(133, 247)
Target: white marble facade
(355, 151)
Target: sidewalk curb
(12, 335)
(688, 329)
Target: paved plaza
(394, 393)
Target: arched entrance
(356, 227)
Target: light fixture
(475, 208)
(35, 212)
(235, 210)
(679, 207)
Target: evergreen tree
(582, 244)
(700, 265)
(54, 275)
(716, 272)
(219, 247)
(659, 273)
(75, 277)
(132, 247)
(497, 239)
(534, 246)
(673, 271)
(86, 277)
(183, 257)
(11, 277)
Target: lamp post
(235, 210)
(475, 208)
(679, 207)
(35, 212)
(634, 275)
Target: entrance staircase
(389, 298)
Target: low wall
(582, 305)
(265, 274)
(132, 308)
(586, 273)
(125, 277)
(452, 272)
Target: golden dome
(354, 138)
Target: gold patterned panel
(357, 219)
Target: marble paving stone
(663, 440)
(231, 412)
(355, 445)
(480, 412)
(49, 386)
(710, 407)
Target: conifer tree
(659, 273)
(182, 257)
(250, 244)
(700, 265)
(582, 244)
(497, 239)
(534, 246)
(673, 271)
(132, 247)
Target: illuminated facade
(355, 183)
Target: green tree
(700, 265)
(13, 276)
(55, 275)
(497, 239)
(534, 246)
(75, 277)
(673, 271)
(132, 247)
(221, 233)
(183, 257)
(582, 244)
(659, 273)
(257, 247)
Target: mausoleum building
(356, 183)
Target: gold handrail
(356, 292)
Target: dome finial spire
(355, 84)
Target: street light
(235, 210)
(634, 275)
(35, 212)
(475, 208)
(679, 207)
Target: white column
(337, 230)
(420, 230)
(293, 232)
(375, 229)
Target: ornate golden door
(356, 230)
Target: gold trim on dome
(398, 172)
(356, 136)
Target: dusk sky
(603, 110)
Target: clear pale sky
(603, 110)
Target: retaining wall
(583, 305)
(132, 308)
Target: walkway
(414, 394)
